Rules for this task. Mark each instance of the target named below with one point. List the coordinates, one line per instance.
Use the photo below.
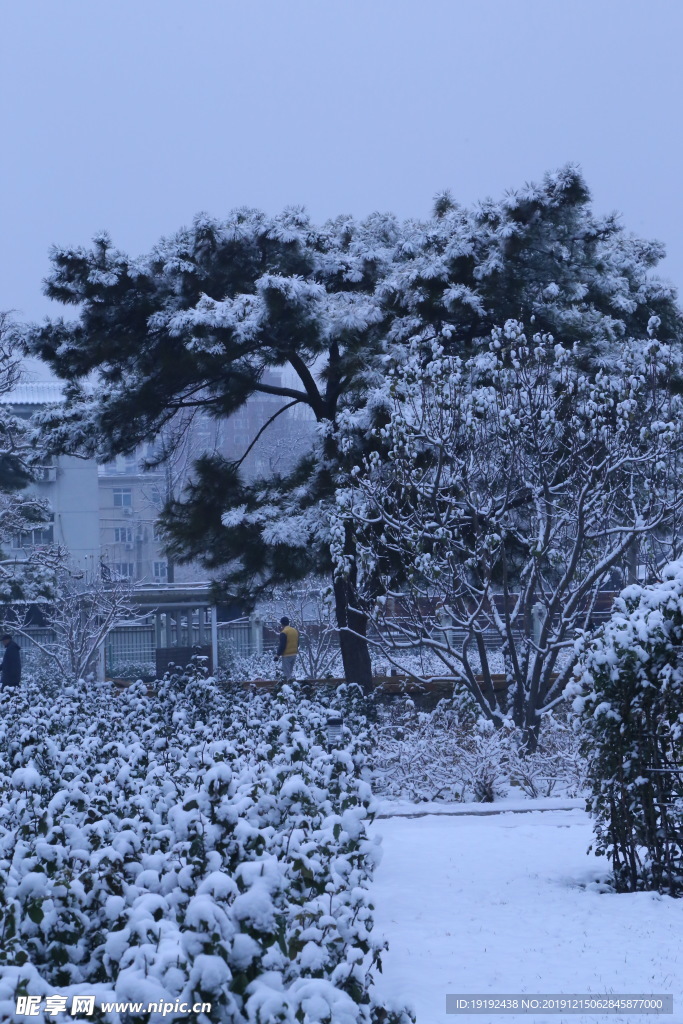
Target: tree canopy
(509, 490)
(206, 317)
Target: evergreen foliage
(202, 319)
(197, 847)
(15, 455)
(30, 579)
(538, 252)
(629, 693)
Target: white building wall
(74, 498)
(69, 485)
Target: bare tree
(511, 488)
(82, 614)
(310, 606)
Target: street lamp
(335, 728)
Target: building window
(124, 569)
(123, 535)
(123, 497)
(160, 572)
(40, 536)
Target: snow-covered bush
(629, 693)
(247, 668)
(558, 766)
(201, 846)
(451, 753)
(132, 670)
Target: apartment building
(69, 485)
(130, 500)
(109, 512)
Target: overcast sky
(133, 115)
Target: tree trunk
(354, 649)
(530, 732)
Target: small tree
(629, 692)
(311, 609)
(509, 490)
(82, 614)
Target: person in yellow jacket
(288, 648)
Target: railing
(130, 646)
(42, 635)
(133, 647)
(244, 638)
(240, 635)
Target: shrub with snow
(629, 692)
(451, 753)
(132, 670)
(200, 846)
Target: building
(130, 500)
(68, 484)
(108, 513)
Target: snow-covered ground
(511, 903)
(394, 808)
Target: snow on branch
(507, 492)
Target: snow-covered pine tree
(14, 470)
(203, 318)
(539, 252)
(200, 322)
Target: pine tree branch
(306, 378)
(258, 388)
(265, 426)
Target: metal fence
(238, 635)
(243, 638)
(132, 648)
(27, 646)
(129, 647)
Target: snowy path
(499, 905)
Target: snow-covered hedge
(195, 846)
(629, 692)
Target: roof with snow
(35, 393)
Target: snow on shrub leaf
(628, 691)
(202, 845)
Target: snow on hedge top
(645, 628)
(196, 847)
